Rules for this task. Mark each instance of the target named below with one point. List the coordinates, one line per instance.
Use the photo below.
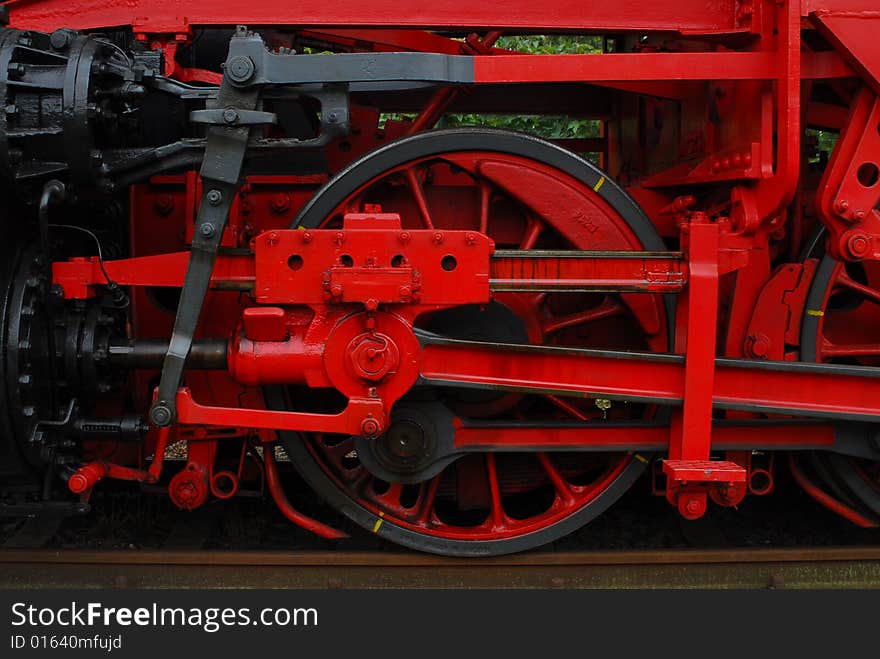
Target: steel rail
(826, 567)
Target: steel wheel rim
(827, 326)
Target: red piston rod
(561, 271)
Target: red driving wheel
(525, 194)
(839, 327)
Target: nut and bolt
(214, 197)
(858, 245)
(240, 69)
(207, 230)
(164, 204)
(61, 39)
(160, 415)
(370, 427)
(759, 345)
(230, 116)
(280, 203)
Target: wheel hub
(373, 356)
(417, 445)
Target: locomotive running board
(773, 387)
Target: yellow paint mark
(599, 184)
(815, 312)
(301, 228)
(378, 523)
(641, 458)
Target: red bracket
(688, 468)
(704, 471)
(362, 416)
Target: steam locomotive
(260, 233)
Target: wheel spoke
(847, 282)
(391, 498)
(609, 308)
(485, 197)
(532, 233)
(415, 186)
(567, 407)
(559, 482)
(830, 349)
(497, 511)
(426, 499)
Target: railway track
(826, 567)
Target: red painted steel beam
(77, 276)
(854, 34)
(621, 67)
(693, 16)
(387, 40)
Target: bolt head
(160, 415)
(60, 39)
(760, 344)
(207, 230)
(240, 69)
(214, 197)
(230, 116)
(370, 427)
(858, 245)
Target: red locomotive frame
(704, 123)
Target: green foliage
(546, 126)
(551, 44)
(827, 140)
(825, 143)
(551, 127)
